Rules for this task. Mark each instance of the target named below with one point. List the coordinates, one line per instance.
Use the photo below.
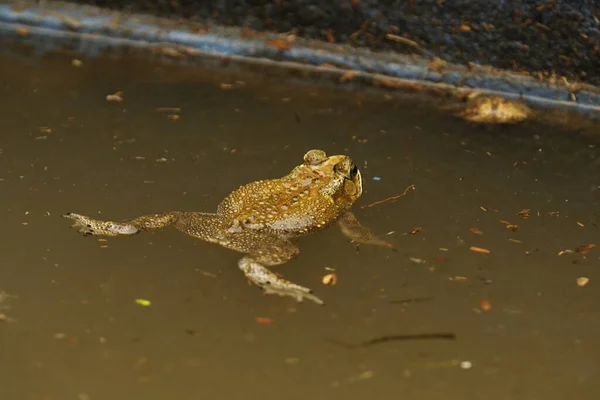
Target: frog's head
(341, 177)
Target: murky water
(78, 334)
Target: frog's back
(292, 205)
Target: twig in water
(411, 300)
(393, 198)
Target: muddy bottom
(525, 327)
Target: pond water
(525, 327)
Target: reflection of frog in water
(260, 218)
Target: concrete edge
(93, 31)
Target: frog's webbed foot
(263, 251)
(90, 226)
(270, 283)
(352, 229)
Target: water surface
(78, 334)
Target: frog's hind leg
(264, 250)
(90, 226)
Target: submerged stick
(411, 300)
(393, 338)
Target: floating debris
(565, 251)
(476, 231)
(143, 302)
(525, 213)
(488, 209)
(329, 279)
(3, 297)
(411, 300)
(392, 198)
(414, 230)
(264, 320)
(586, 248)
(362, 376)
(582, 281)
(513, 227)
(466, 364)
(479, 250)
(394, 338)
(485, 305)
(116, 97)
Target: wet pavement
(524, 327)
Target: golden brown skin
(260, 218)
(495, 110)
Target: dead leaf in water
(476, 231)
(264, 320)
(582, 281)
(485, 305)
(585, 248)
(566, 251)
(117, 97)
(329, 279)
(525, 213)
(479, 250)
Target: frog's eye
(353, 170)
(315, 157)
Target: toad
(262, 218)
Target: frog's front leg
(264, 250)
(352, 229)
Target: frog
(261, 219)
(489, 109)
